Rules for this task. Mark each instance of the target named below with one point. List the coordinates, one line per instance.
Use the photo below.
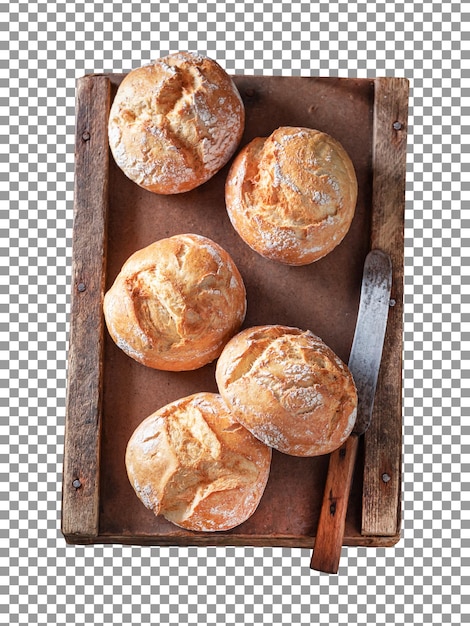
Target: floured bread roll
(292, 196)
(194, 464)
(176, 303)
(175, 122)
(288, 388)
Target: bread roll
(288, 388)
(176, 303)
(292, 196)
(175, 122)
(194, 464)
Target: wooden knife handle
(330, 532)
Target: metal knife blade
(364, 364)
(366, 350)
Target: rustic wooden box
(109, 393)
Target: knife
(364, 365)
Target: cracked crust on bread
(175, 122)
(193, 463)
(292, 196)
(288, 388)
(175, 303)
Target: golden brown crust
(194, 464)
(176, 303)
(292, 196)
(288, 388)
(175, 122)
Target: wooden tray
(109, 393)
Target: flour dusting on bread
(288, 388)
(176, 122)
(194, 464)
(292, 196)
(175, 303)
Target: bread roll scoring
(175, 122)
(176, 303)
(288, 388)
(292, 196)
(194, 464)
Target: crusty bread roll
(194, 464)
(292, 196)
(288, 388)
(175, 122)
(175, 303)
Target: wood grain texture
(225, 539)
(330, 532)
(80, 493)
(383, 440)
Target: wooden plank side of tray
(80, 490)
(383, 441)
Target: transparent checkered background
(425, 578)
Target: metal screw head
(81, 286)
(397, 125)
(86, 136)
(386, 478)
(76, 483)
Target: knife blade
(364, 364)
